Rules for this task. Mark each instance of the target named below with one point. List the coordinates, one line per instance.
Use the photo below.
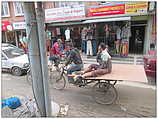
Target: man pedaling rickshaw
(94, 70)
(74, 59)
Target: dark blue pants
(94, 47)
(84, 46)
(72, 68)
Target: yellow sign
(136, 7)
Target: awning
(90, 21)
(108, 20)
(65, 24)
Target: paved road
(135, 99)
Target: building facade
(127, 27)
(12, 14)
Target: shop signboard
(19, 25)
(6, 26)
(65, 13)
(112, 9)
(136, 7)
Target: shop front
(103, 30)
(67, 31)
(138, 26)
(123, 36)
(114, 29)
(19, 31)
(12, 32)
(7, 32)
(122, 26)
(137, 40)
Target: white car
(14, 59)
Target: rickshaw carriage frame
(104, 90)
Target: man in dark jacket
(74, 58)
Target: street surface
(134, 99)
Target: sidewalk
(131, 59)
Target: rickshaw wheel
(104, 93)
(57, 80)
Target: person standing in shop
(107, 33)
(67, 34)
(84, 40)
(125, 39)
(89, 38)
(94, 41)
(118, 39)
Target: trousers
(94, 47)
(89, 48)
(72, 68)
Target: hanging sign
(6, 26)
(136, 7)
(106, 10)
(65, 13)
(19, 25)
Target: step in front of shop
(117, 61)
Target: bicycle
(104, 90)
(53, 71)
(58, 78)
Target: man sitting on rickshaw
(94, 70)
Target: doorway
(136, 43)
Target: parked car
(150, 64)
(8, 45)
(14, 59)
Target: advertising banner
(106, 10)
(6, 26)
(65, 13)
(136, 7)
(19, 25)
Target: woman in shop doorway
(138, 41)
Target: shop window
(18, 9)
(5, 9)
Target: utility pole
(40, 17)
(37, 58)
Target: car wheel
(16, 71)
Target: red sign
(106, 10)
(6, 26)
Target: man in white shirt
(104, 66)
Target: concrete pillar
(6, 38)
(16, 38)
